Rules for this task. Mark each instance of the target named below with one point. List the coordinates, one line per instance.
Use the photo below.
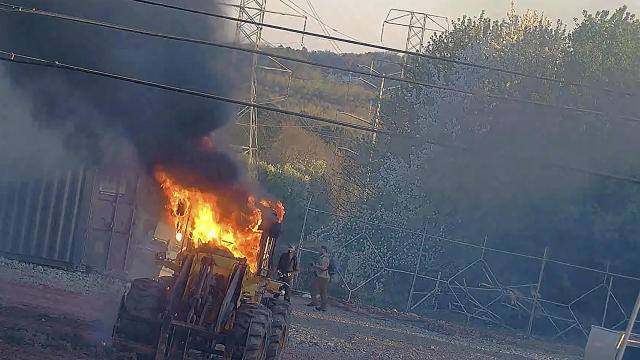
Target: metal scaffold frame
(475, 290)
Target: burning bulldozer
(219, 300)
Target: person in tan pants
(321, 285)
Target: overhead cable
(30, 60)
(292, 3)
(34, 61)
(312, 63)
(386, 48)
(323, 26)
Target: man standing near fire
(323, 276)
(288, 268)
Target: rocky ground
(343, 333)
(53, 314)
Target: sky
(362, 19)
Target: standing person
(321, 285)
(288, 268)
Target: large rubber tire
(281, 312)
(146, 299)
(250, 333)
(139, 315)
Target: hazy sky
(362, 19)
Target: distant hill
(313, 90)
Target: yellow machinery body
(212, 305)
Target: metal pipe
(435, 292)
(537, 294)
(369, 280)
(606, 303)
(415, 273)
(585, 294)
(627, 333)
(304, 223)
(584, 332)
(484, 247)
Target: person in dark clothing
(288, 268)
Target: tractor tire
(280, 311)
(250, 333)
(146, 299)
(140, 310)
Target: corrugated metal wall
(39, 217)
(71, 218)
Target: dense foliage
(528, 177)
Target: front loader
(213, 306)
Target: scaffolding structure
(417, 25)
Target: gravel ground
(82, 283)
(52, 314)
(339, 334)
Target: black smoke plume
(97, 114)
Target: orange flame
(199, 215)
(276, 207)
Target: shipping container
(39, 217)
(86, 219)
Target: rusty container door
(110, 221)
(39, 217)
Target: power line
(29, 60)
(291, 4)
(325, 24)
(322, 24)
(596, 173)
(386, 48)
(312, 63)
(282, 126)
(12, 57)
(299, 13)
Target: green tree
(605, 49)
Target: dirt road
(47, 314)
(342, 334)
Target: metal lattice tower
(254, 11)
(417, 24)
(415, 36)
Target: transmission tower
(417, 24)
(251, 34)
(254, 11)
